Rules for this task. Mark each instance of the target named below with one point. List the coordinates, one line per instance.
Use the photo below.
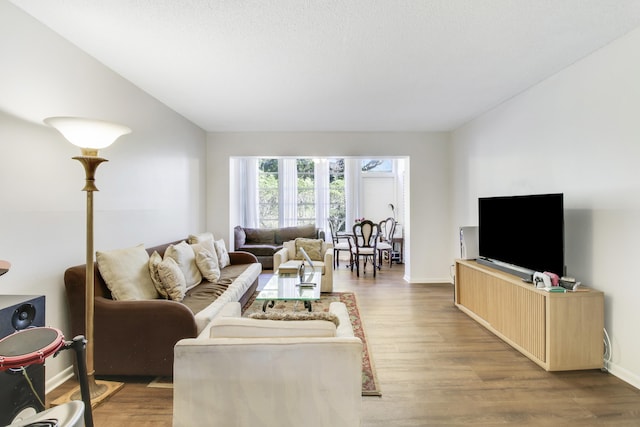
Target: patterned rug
(370, 385)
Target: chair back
(387, 229)
(365, 234)
(334, 232)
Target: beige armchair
(246, 372)
(288, 251)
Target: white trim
(624, 374)
(428, 280)
(59, 379)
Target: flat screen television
(522, 234)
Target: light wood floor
(436, 367)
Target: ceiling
(335, 65)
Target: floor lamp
(90, 135)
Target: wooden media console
(558, 331)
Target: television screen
(524, 231)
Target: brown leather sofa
(265, 242)
(137, 337)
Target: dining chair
(365, 241)
(385, 245)
(341, 242)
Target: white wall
(151, 191)
(428, 244)
(577, 132)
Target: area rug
(370, 386)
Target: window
(300, 191)
(268, 193)
(337, 194)
(377, 165)
(306, 203)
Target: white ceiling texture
(335, 65)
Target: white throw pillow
(172, 279)
(184, 256)
(207, 263)
(205, 239)
(223, 255)
(313, 248)
(154, 260)
(126, 273)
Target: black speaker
(19, 312)
(17, 399)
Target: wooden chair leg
(374, 264)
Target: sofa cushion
(154, 260)
(242, 327)
(313, 248)
(198, 298)
(239, 277)
(221, 251)
(204, 239)
(291, 233)
(260, 250)
(172, 279)
(259, 235)
(298, 315)
(126, 273)
(207, 263)
(183, 255)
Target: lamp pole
(90, 164)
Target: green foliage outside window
(269, 192)
(268, 207)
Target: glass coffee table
(289, 287)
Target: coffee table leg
(270, 303)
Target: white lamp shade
(87, 133)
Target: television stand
(557, 331)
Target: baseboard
(428, 280)
(623, 374)
(59, 379)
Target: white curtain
(288, 181)
(322, 199)
(352, 172)
(252, 214)
(248, 179)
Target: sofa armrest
(328, 256)
(230, 309)
(241, 257)
(137, 337)
(239, 237)
(280, 257)
(327, 277)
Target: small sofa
(249, 372)
(137, 337)
(264, 242)
(325, 264)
